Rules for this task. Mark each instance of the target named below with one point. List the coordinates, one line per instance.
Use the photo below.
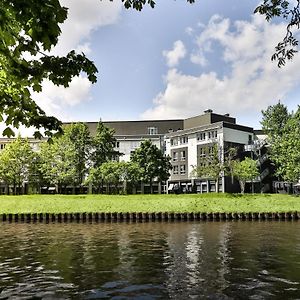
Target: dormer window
(152, 130)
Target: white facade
(200, 141)
(127, 145)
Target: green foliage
(285, 151)
(103, 145)
(29, 29)
(231, 155)
(32, 27)
(283, 131)
(288, 10)
(213, 166)
(57, 161)
(274, 120)
(113, 173)
(15, 162)
(152, 163)
(79, 136)
(139, 4)
(36, 178)
(245, 170)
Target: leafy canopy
(152, 162)
(245, 170)
(29, 29)
(289, 11)
(15, 161)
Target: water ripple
(214, 260)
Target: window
(249, 139)
(182, 155)
(175, 170)
(152, 130)
(117, 144)
(2, 146)
(202, 151)
(212, 134)
(201, 136)
(175, 156)
(115, 158)
(211, 150)
(182, 170)
(183, 140)
(174, 142)
(135, 145)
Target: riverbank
(191, 203)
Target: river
(152, 260)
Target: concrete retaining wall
(139, 216)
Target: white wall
(128, 145)
(192, 153)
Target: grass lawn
(149, 203)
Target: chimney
(208, 111)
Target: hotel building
(188, 142)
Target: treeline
(78, 160)
(283, 130)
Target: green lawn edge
(206, 203)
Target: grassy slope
(149, 203)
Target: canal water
(159, 260)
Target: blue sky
(173, 61)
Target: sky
(173, 61)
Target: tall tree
(114, 172)
(95, 178)
(79, 136)
(274, 120)
(111, 174)
(231, 155)
(285, 151)
(152, 162)
(36, 178)
(130, 174)
(213, 166)
(103, 144)
(58, 162)
(15, 161)
(283, 130)
(245, 170)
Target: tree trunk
(101, 191)
(125, 187)
(151, 186)
(7, 189)
(217, 185)
(242, 185)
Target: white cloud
(55, 100)
(252, 82)
(199, 58)
(173, 56)
(189, 30)
(83, 18)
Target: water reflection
(240, 260)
